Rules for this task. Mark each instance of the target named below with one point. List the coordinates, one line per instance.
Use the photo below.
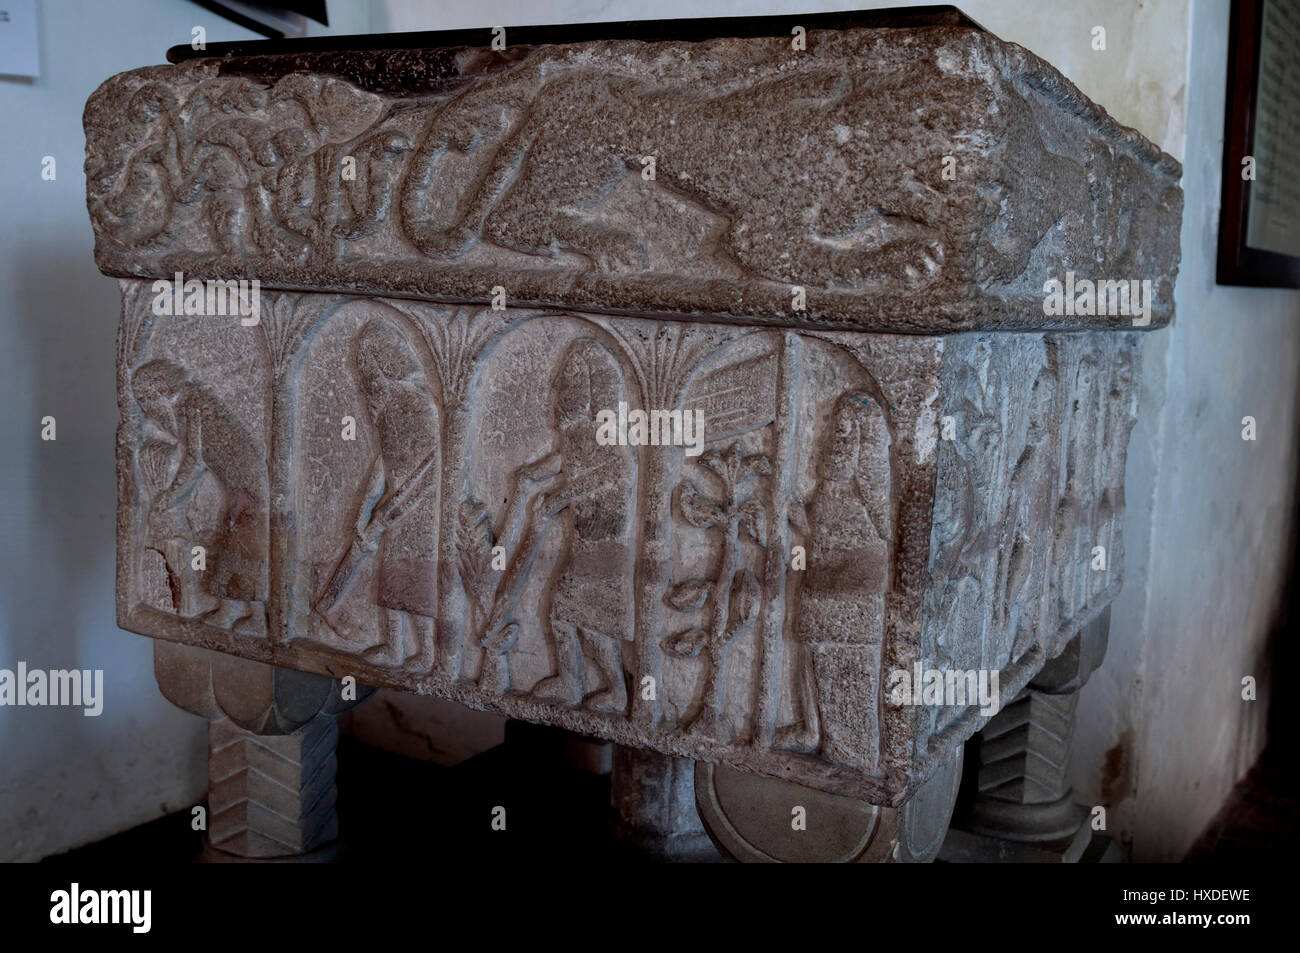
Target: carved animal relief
(581, 169)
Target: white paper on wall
(18, 44)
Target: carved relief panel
(1025, 542)
(581, 171)
(713, 540)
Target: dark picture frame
(1238, 262)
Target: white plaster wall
(1139, 79)
(66, 779)
(1209, 521)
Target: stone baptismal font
(721, 389)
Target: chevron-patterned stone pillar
(272, 742)
(1024, 794)
(1021, 797)
(272, 795)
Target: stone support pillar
(1022, 806)
(272, 743)
(653, 800)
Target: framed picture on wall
(1259, 221)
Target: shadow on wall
(69, 344)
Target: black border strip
(689, 30)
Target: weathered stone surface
(392, 481)
(424, 727)
(476, 429)
(774, 167)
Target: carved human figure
(405, 418)
(1119, 417)
(212, 442)
(1074, 530)
(964, 506)
(591, 605)
(1023, 557)
(839, 625)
